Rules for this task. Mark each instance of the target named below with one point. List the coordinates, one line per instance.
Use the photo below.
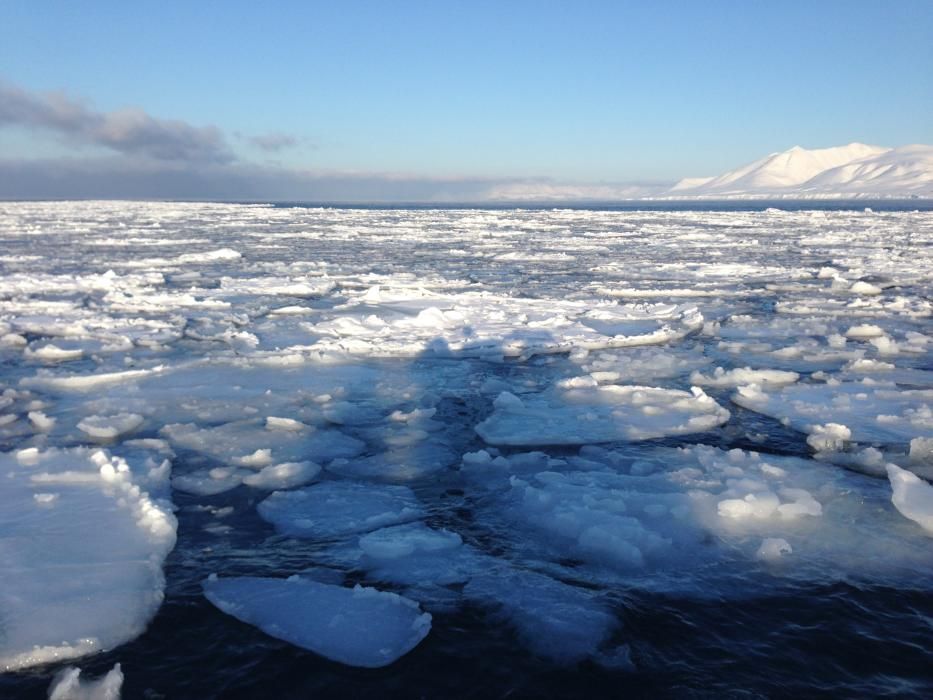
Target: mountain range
(856, 170)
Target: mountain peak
(806, 171)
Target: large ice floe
(586, 413)
(525, 430)
(84, 538)
(392, 323)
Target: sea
(648, 444)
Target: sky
(431, 100)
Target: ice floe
(590, 414)
(82, 555)
(334, 508)
(357, 626)
(872, 411)
(912, 496)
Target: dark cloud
(171, 159)
(275, 141)
(131, 132)
(122, 178)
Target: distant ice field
(248, 448)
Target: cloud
(275, 141)
(124, 178)
(171, 159)
(131, 132)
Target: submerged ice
(530, 415)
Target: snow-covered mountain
(856, 170)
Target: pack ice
(531, 415)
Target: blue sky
(570, 91)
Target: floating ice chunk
(585, 382)
(921, 451)
(42, 422)
(53, 353)
(426, 562)
(869, 460)
(482, 324)
(885, 346)
(209, 482)
(745, 375)
(12, 340)
(588, 513)
(801, 502)
(872, 411)
(84, 571)
(336, 508)
(864, 332)
(912, 496)
(354, 626)
(283, 476)
(68, 685)
(276, 423)
(259, 458)
(753, 505)
(27, 455)
(399, 464)
(110, 427)
(862, 366)
(252, 443)
(481, 466)
(829, 437)
(558, 621)
(87, 382)
(865, 288)
(599, 414)
(870, 306)
(219, 255)
(773, 549)
(279, 286)
(704, 510)
(291, 310)
(404, 540)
